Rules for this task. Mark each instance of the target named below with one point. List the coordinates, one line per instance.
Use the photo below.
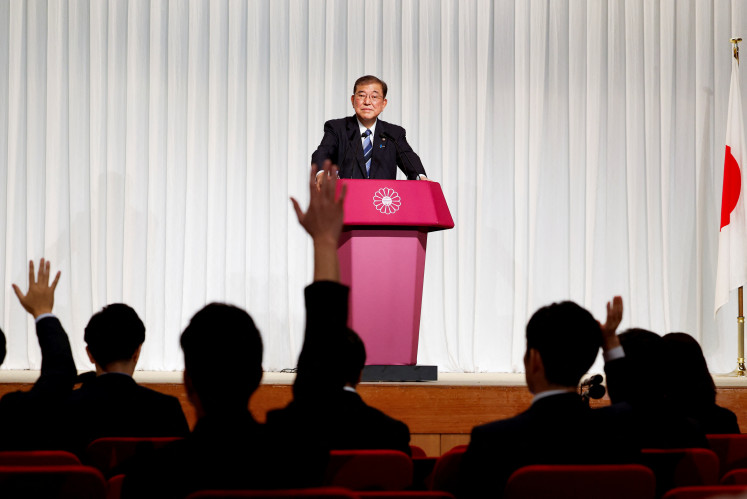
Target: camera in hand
(592, 388)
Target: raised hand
(323, 219)
(39, 299)
(609, 328)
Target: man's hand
(39, 299)
(323, 219)
(321, 176)
(609, 328)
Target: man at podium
(363, 146)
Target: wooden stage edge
(440, 413)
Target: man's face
(368, 102)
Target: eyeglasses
(362, 97)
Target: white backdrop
(148, 149)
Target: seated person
(332, 359)
(562, 342)
(341, 417)
(690, 389)
(629, 381)
(222, 349)
(112, 404)
(30, 420)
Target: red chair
(681, 467)
(315, 493)
(369, 469)
(735, 477)
(705, 491)
(114, 487)
(445, 474)
(731, 451)
(611, 481)
(37, 458)
(405, 494)
(108, 453)
(416, 451)
(44, 482)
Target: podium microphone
(386, 135)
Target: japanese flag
(732, 238)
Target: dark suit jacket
(114, 405)
(31, 420)
(657, 426)
(320, 405)
(345, 422)
(228, 452)
(559, 429)
(342, 145)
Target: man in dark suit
(31, 420)
(363, 146)
(563, 340)
(331, 407)
(331, 361)
(222, 348)
(112, 404)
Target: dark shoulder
(339, 123)
(395, 131)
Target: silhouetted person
(112, 404)
(335, 411)
(689, 387)
(562, 341)
(31, 419)
(222, 348)
(639, 379)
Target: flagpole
(740, 370)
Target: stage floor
(440, 413)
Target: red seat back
(312, 493)
(681, 467)
(114, 487)
(611, 481)
(108, 453)
(417, 451)
(735, 477)
(405, 494)
(731, 451)
(445, 474)
(37, 458)
(44, 482)
(369, 469)
(705, 491)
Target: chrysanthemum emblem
(387, 201)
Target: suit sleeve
(408, 161)
(328, 148)
(58, 368)
(326, 320)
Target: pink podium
(382, 259)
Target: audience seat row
(681, 473)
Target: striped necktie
(367, 150)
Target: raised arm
(58, 368)
(326, 298)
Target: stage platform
(440, 413)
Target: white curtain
(148, 148)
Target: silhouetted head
(222, 358)
(567, 338)
(644, 356)
(689, 383)
(353, 357)
(3, 350)
(114, 334)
